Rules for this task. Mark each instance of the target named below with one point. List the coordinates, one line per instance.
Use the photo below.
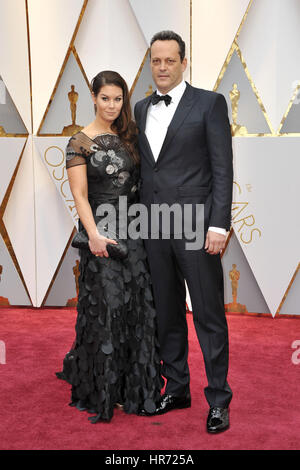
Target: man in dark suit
(186, 157)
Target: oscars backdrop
(248, 51)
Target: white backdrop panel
(11, 286)
(214, 26)
(248, 292)
(292, 121)
(10, 151)
(270, 168)
(250, 114)
(59, 113)
(159, 15)
(291, 305)
(269, 42)
(53, 226)
(64, 286)
(10, 119)
(14, 63)
(51, 26)
(109, 38)
(52, 153)
(19, 219)
(144, 85)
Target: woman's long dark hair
(123, 125)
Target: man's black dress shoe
(168, 403)
(217, 420)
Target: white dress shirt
(159, 117)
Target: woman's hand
(97, 244)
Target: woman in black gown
(114, 358)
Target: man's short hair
(170, 36)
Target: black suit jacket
(195, 162)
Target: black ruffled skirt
(115, 356)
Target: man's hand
(214, 243)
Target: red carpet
(34, 412)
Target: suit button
(155, 191)
(155, 169)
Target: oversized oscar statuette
(76, 272)
(72, 128)
(3, 300)
(2, 132)
(234, 306)
(236, 129)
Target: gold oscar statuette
(234, 307)
(234, 276)
(72, 128)
(236, 129)
(149, 91)
(76, 272)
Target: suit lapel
(144, 111)
(143, 137)
(183, 108)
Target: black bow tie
(155, 98)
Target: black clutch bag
(119, 251)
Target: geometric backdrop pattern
(50, 52)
